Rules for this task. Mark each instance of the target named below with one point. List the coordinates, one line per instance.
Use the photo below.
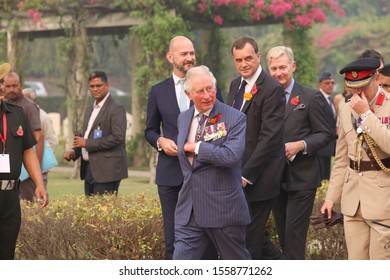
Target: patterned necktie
(238, 100)
(182, 98)
(201, 124)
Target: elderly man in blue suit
(166, 100)
(211, 204)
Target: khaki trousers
(367, 240)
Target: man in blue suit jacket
(161, 132)
(211, 204)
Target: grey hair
(31, 94)
(194, 71)
(278, 51)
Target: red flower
(254, 90)
(215, 119)
(295, 100)
(20, 131)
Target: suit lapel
(233, 91)
(258, 84)
(171, 95)
(186, 126)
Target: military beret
(385, 71)
(325, 76)
(359, 72)
(4, 69)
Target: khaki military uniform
(363, 189)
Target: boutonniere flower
(214, 119)
(20, 131)
(248, 95)
(295, 101)
(380, 99)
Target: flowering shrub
(295, 13)
(79, 228)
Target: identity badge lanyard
(4, 158)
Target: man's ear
(188, 94)
(169, 57)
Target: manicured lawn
(60, 185)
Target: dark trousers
(257, 240)
(324, 167)
(168, 199)
(192, 241)
(91, 187)
(292, 210)
(10, 219)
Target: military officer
(360, 180)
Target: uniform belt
(9, 185)
(368, 165)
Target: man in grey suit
(103, 147)
(211, 203)
(306, 130)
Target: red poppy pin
(20, 131)
(295, 100)
(248, 95)
(213, 120)
(380, 99)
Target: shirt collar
(196, 112)
(101, 103)
(252, 79)
(290, 86)
(176, 79)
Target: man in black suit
(305, 132)
(166, 100)
(325, 85)
(262, 99)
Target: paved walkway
(132, 173)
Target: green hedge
(127, 227)
(100, 227)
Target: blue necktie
(238, 100)
(182, 98)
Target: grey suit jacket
(107, 155)
(212, 186)
(305, 121)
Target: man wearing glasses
(360, 180)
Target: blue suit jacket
(212, 186)
(162, 113)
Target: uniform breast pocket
(383, 179)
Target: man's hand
(42, 196)
(189, 147)
(69, 155)
(327, 208)
(168, 146)
(79, 142)
(359, 103)
(292, 148)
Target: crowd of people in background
(223, 169)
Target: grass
(60, 185)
